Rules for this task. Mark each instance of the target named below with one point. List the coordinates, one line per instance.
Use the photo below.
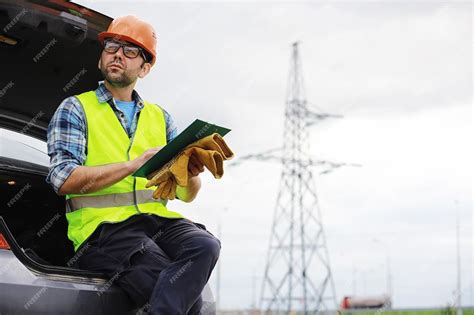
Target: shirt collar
(104, 95)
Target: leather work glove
(210, 151)
(160, 178)
(166, 190)
(214, 142)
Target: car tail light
(3, 242)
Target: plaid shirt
(67, 130)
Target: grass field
(441, 311)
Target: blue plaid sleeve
(66, 141)
(171, 129)
(67, 132)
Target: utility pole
(388, 271)
(218, 273)
(253, 307)
(389, 278)
(354, 280)
(458, 254)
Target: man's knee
(211, 247)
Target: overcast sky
(401, 75)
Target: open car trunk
(33, 212)
(33, 218)
(49, 51)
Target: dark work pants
(163, 262)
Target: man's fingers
(200, 168)
(153, 151)
(193, 170)
(196, 163)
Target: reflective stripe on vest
(108, 142)
(111, 200)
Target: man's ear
(146, 67)
(98, 64)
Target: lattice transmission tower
(297, 273)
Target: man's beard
(121, 80)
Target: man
(96, 140)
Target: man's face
(121, 70)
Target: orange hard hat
(131, 29)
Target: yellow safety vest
(107, 142)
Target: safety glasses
(130, 51)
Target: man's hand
(195, 167)
(136, 163)
(188, 193)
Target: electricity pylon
(298, 274)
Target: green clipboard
(197, 130)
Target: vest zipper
(134, 178)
